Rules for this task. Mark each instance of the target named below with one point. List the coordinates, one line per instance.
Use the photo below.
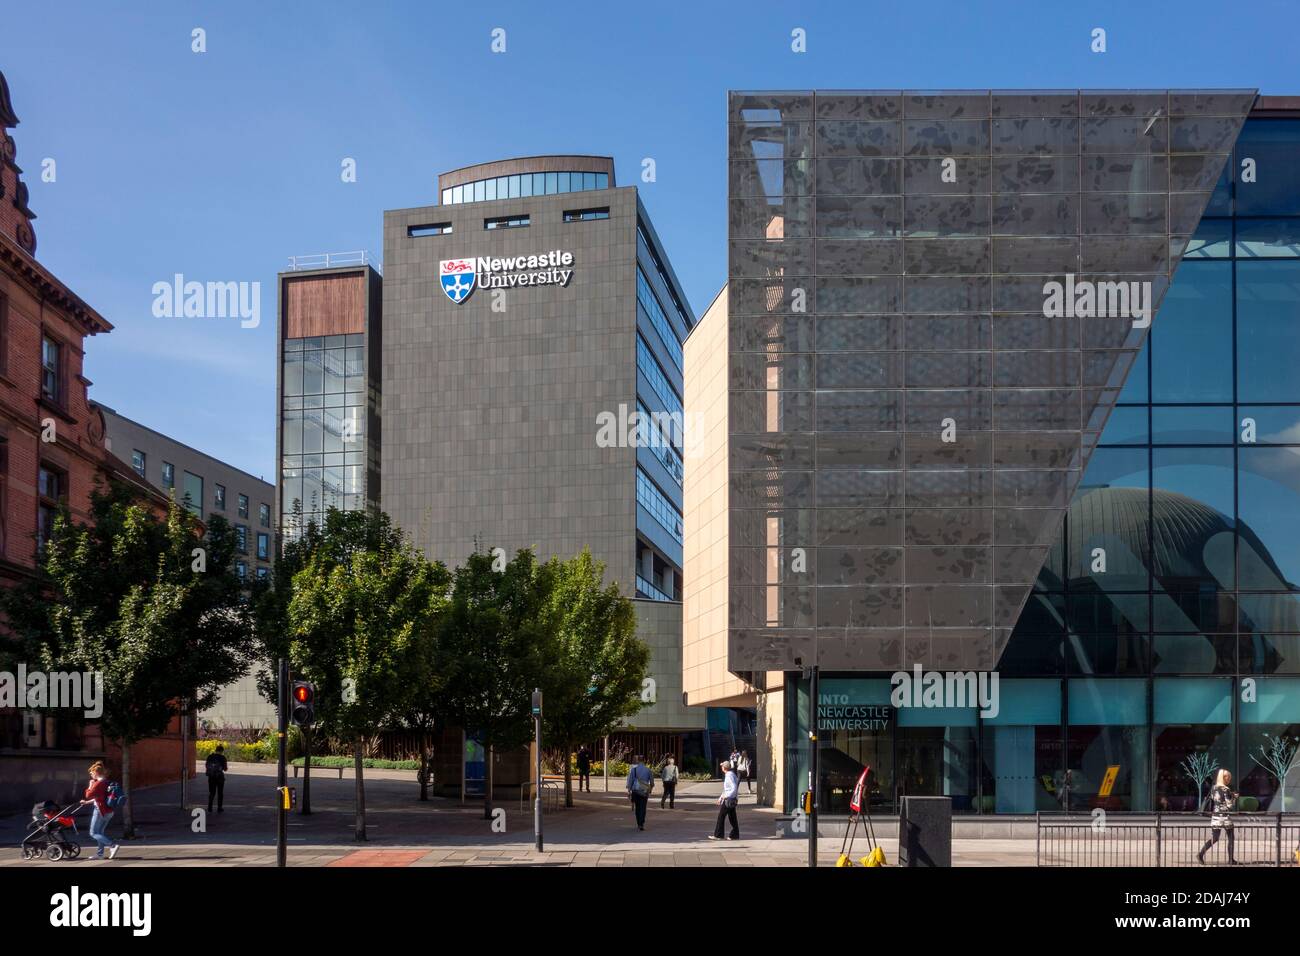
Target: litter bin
(925, 832)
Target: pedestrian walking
(734, 759)
(215, 767)
(744, 768)
(1221, 801)
(584, 769)
(727, 804)
(669, 776)
(97, 793)
(640, 784)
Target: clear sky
(221, 165)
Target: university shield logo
(457, 278)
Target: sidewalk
(401, 831)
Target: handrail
(329, 260)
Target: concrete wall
(659, 624)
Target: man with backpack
(640, 784)
(106, 797)
(215, 767)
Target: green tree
(363, 622)
(496, 629)
(593, 681)
(146, 601)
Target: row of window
(522, 185)
(656, 502)
(192, 490)
(645, 296)
(505, 222)
(654, 373)
(648, 247)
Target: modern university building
(1003, 385)
(531, 319)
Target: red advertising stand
(860, 806)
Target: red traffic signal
(304, 702)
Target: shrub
(697, 765)
(369, 763)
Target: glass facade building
(944, 454)
(328, 394)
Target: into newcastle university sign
(459, 277)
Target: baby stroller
(51, 832)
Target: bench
(318, 769)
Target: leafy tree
(144, 600)
(593, 681)
(496, 628)
(363, 624)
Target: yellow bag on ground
(844, 860)
(875, 858)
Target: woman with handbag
(1220, 801)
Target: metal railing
(327, 260)
(1165, 839)
(552, 791)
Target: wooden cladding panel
(324, 305)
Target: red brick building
(51, 451)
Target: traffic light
(303, 705)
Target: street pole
(185, 773)
(537, 792)
(606, 764)
(812, 770)
(281, 830)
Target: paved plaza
(402, 831)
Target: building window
(169, 475)
(264, 515)
(219, 499)
(586, 215)
(646, 298)
(241, 570)
(523, 185)
(432, 229)
(263, 573)
(51, 489)
(137, 461)
(193, 494)
(263, 546)
(506, 222)
(243, 506)
(51, 370)
(241, 539)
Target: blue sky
(221, 165)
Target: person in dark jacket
(584, 769)
(215, 767)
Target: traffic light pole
(281, 832)
(812, 769)
(537, 791)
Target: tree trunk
(487, 784)
(424, 766)
(128, 820)
(361, 795)
(568, 777)
(306, 772)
